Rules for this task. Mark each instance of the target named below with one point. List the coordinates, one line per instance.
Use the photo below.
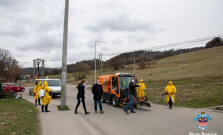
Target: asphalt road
(157, 120)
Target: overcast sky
(32, 29)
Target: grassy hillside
(202, 63)
(197, 75)
(199, 64)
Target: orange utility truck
(115, 89)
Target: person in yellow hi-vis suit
(36, 92)
(47, 98)
(170, 91)
(141, 89)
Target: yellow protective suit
(141, 90)
(47, 98)
(170, 90)
(37, 89)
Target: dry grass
(198, 96)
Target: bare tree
(9, 68)
(142, 64)
(82, 70)
(115, 63)
(16, 73)
(148, 64)
(81, 67)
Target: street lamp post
(95, 57)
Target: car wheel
(114, 101)
(23, 90)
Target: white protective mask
(133, 81)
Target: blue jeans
(95, 104)
(131, 102)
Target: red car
(12, 87)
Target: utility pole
(38, 62)
(42, 70)
(101, 63)
(95, 68)
(59, 73)
(34, 70)
(64, 55)
(134, 63)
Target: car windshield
(54, 82)
(4, 84)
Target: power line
(170, 45)
(53, 14)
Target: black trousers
(38, 101)
(78, 103)
(170, 102)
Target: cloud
(121, 23)
(124, 25)
(41, 45)
(12, 31)
(11, 3)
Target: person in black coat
(131, 94)
(80, 97)
(97, 92)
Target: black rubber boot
(35, 102)
(46, 108)
(42, 106)
(39, 101)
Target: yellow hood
(40, 82)
(45, 83)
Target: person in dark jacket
(80, 97)
(131, 94)
(97, 92)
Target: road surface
(157, 120)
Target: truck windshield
(54, 82)
(124, 82)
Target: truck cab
(115, 87)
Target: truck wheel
(114, 101)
